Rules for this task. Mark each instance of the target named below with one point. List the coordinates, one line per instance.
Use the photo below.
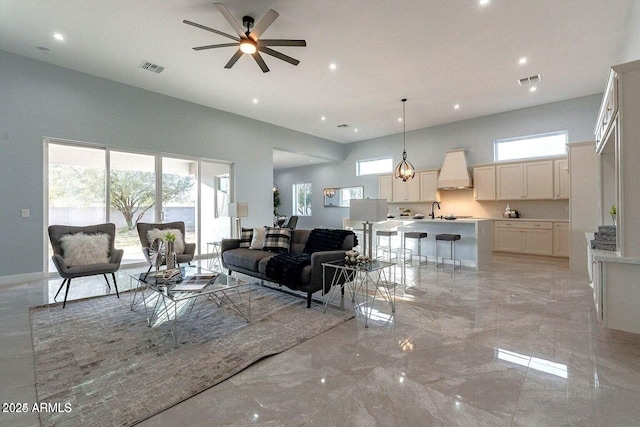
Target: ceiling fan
(249, 42)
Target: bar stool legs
(388, 234)
(451, 238)
(418, 236)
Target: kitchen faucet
(432, 214)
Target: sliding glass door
(92, 185)
(132, 199)
(180, 194)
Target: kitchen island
(474, 248)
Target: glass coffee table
(172, 300)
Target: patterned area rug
(101, 365)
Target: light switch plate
(25, 213)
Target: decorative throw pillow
(245, 237)
(277, 239)
(257, 241)
(156, 233)
(84, 249)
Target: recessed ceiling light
(255, 100)
(532, 89)
(483, 2)
(58, 36)
(399, 119)
(355, 130)
(333, 66)
(456, 107)
(522, 61)
(323, 118)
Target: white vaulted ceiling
(436, 53)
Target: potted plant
(170, 253)
(613, 211)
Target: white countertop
(472, 220)
(531, 219)
(438, 220)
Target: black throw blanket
(286, 268)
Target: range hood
(454, 173)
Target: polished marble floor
(517, 345)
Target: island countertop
(474, 249)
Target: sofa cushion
(298, 240)
(247, 259)
(245, 237)
(277, 239)
(257, 241)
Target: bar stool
(415, 235)
(388, 234)
(451, 238)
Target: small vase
(170, 256)
(613, 217)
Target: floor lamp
(368, 211)
(238, 211)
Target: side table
(213, 254)
(359, 280)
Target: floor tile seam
(535, 343)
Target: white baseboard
(20, 278)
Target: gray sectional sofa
(255, 262)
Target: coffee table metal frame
(176, 307)
(358, 279)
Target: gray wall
(38, 100)
(426, 149)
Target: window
(541, 145)
(374, 166)
(302, 199)
(90, 184)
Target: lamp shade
(238, 210)
(371, 210)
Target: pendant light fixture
(405, 169)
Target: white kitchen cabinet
(561, 179)
(406, 191)
(527, 237)
(561, 246)
(385, 187)
(484, 183)
(527, 180)
(429, 186)
(510, 181)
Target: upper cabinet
(406, 191)
(385, 187)
(429, 186)
(421, 188)
(484, 183)
(561, 179)
(527, 180)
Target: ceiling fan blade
(234, 59)
(260, 61)
(263, 24)
(278, 55)
(281, 42)
(225, 12)
(214, 46)
(211, 29)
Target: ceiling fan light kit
(249, 42)
(405, 169)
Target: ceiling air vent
(343, 125)
(146, 65)
(529, 80)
